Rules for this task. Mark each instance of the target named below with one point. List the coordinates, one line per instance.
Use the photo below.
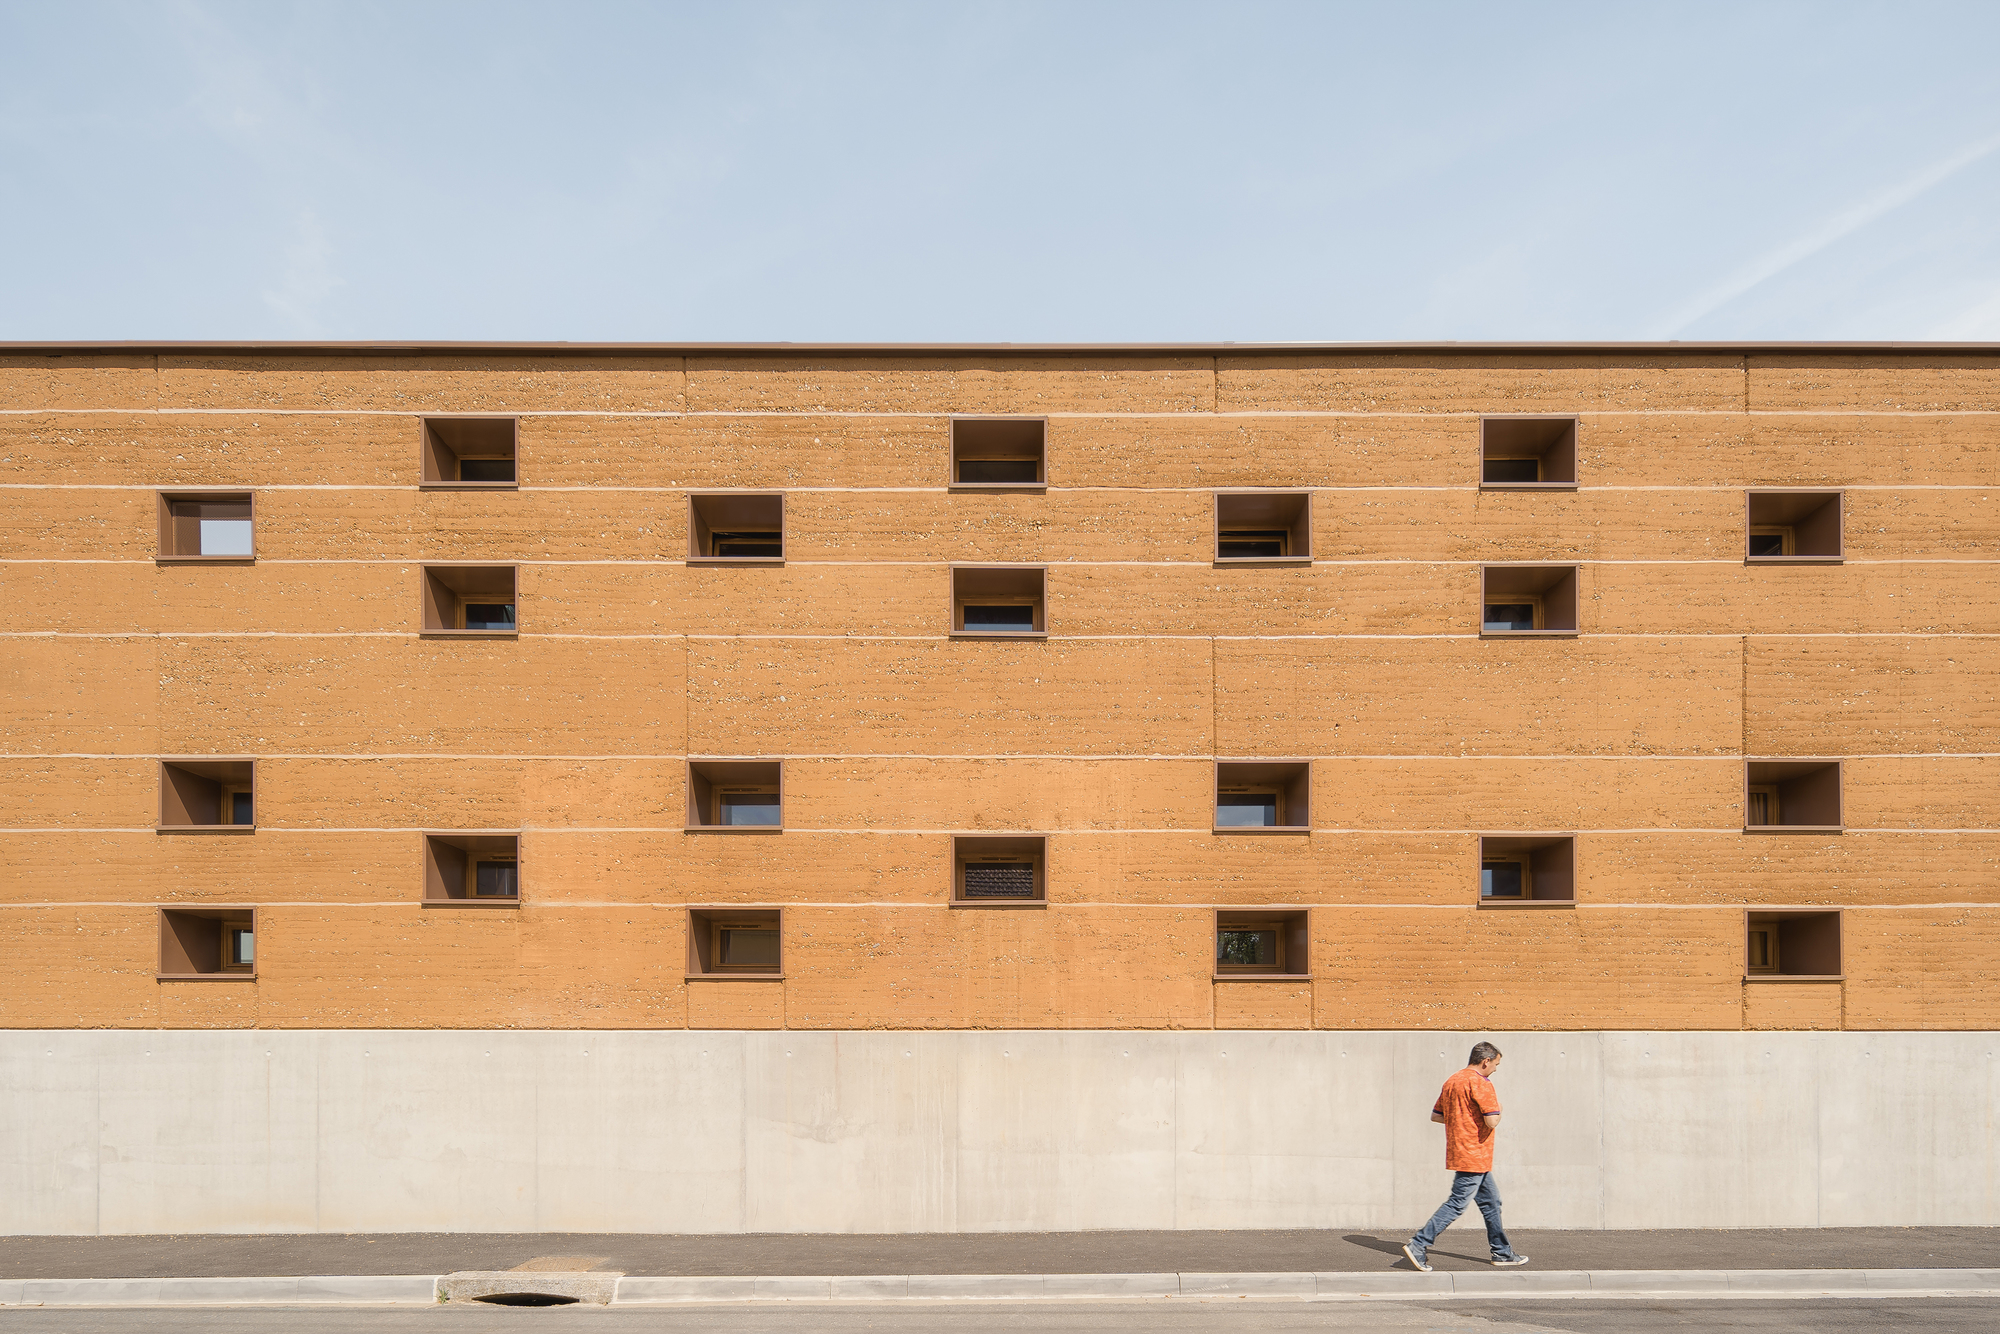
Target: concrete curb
(1391, 1285)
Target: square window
(1787, 943)
(729, 942)
(1527, 870)
(217, 527)
(998, 602)
(1528, 600)
(736, 528)
(999, 870)
(735, 796)
(208, 796)
(216, 944)
(470, 453)
(1263, 528)
(1527, 453)
(472, 600)
(999, 453)
(472, 870)
(1793, 527)
(1253, 944)
(1797, 796)
(1263, 796)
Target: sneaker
(1509, 1261)
(1416, 1257)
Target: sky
(999, 172)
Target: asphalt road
(1928, 1315)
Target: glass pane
(1767, 544)
(1252, 546)
(499, 880)
(242, 946)
(486, 470)
(489, 616)
(999, 470)
(1000, 618)
(1513, 470)
(239, 808)
(749, 808)
(1510, 616)
(1246, 949)
(225, 537)
(748, 544)
(1500, 880)
(748, 947)
(1000, 880)
(1237, 809)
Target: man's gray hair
(1484, 1051)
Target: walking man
(1469, 1111)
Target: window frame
(191, 765)
(701, 527)
(167, 552)
(703, 924)
(472, 847)
(223, 916)
(959, 600)
(953, 454)
(430, 578)
(972, 848)
(1567, 443)
(427, 462)
(1559, 580)
(1560, 857)
(704, 775)
(1803, 767)
(1793, 499)
(1294, 927)
(1273, 503)
(1774, 916)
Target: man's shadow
(1395, 1248)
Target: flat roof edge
(61, 346)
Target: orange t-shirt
(1468, 1140)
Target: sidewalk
(1461, 1249)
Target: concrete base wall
(380, 1131)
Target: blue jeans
(1465, 1188)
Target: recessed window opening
(735, 795)
(208, 942)
(1792, 943)
(1528, 600)
(729, 942)
(1801, 527)
(1260, 942)
(736, 528)
(470, 599)
(210, 526)
(208, 795)
(1263, 796)
(470, 452)
(1528, 452)
(999, 452)
(1527, 869)
(999, 869)
(472, 869)
(998, 601)
(1263, 527)
(1791, 795)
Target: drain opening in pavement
(525, 1299)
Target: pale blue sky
(1004, 172)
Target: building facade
(752, 788)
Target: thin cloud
(1848, 220)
